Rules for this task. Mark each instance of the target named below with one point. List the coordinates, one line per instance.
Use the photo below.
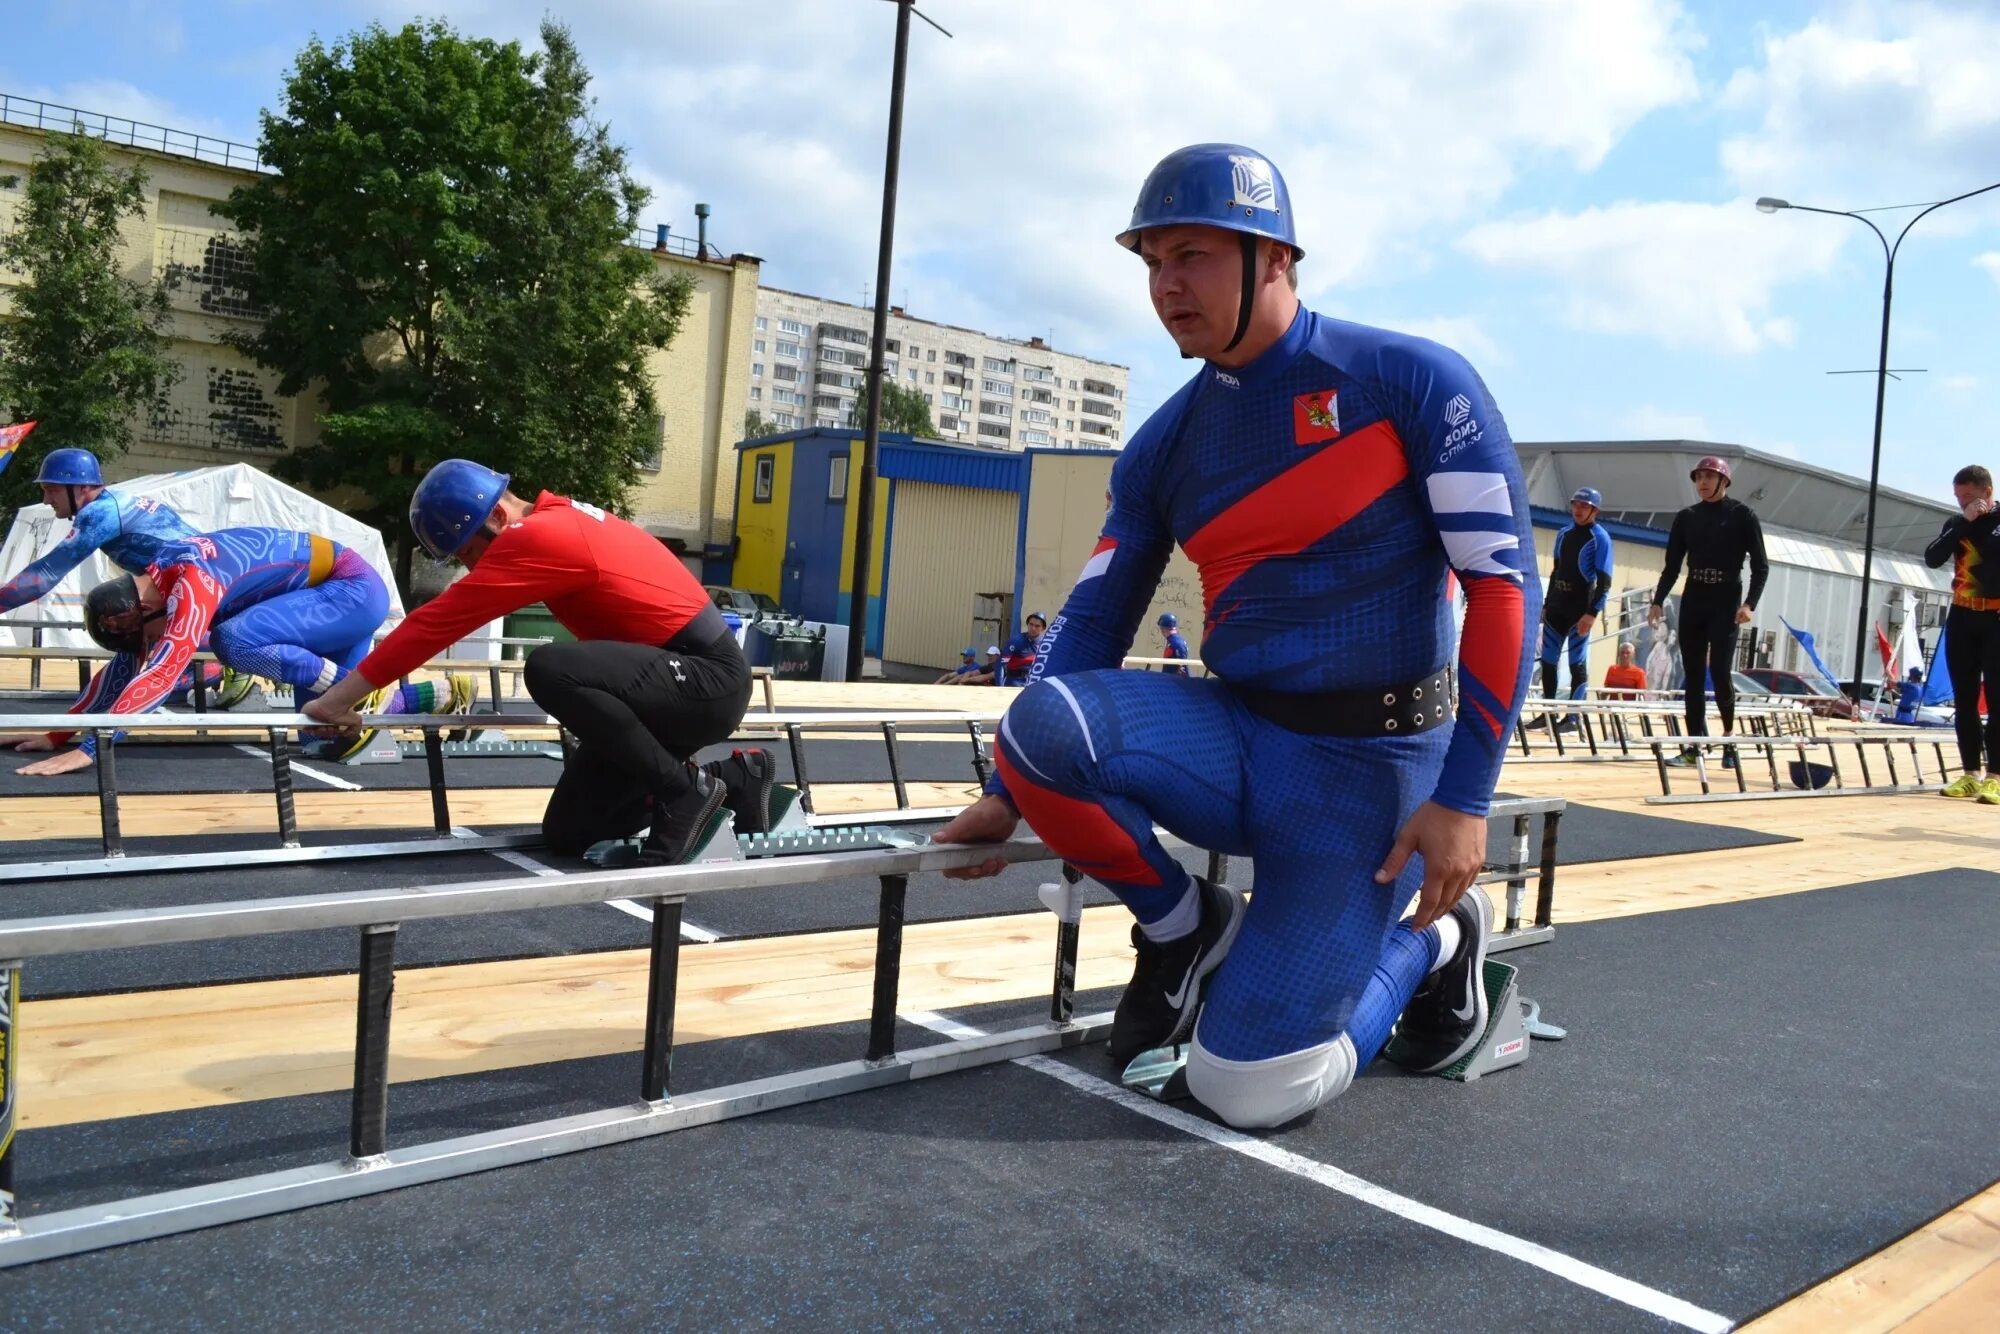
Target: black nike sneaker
(1447, 1016)
(748, 778)
(1160, 1003)
(682, 828)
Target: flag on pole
(1889, 672)
(10, 441)
(1805, 639)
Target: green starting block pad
(1505, 1042)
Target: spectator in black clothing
(1713, 537)
(1971, 541)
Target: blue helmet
(1169, 621)
(70, 467)
(1589, 496)
(451, 504)
(1215, 185)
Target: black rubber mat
(1597, 834)
(1752, 1097)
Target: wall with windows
(809, 356)
(226, 409)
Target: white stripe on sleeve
(1469, 493)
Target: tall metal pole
(1874, 476)
(1769, 205)
(864, 516)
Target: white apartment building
(808, 357)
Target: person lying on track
(292, 607)
(128, 529)
(654, 675)
(1323, 476)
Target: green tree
(756, 423)
(904, 410)
(445, 253)
(85, 350)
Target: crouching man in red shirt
(654, 675)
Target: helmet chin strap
(1249, 290)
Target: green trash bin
(798, 657)
(531, 622)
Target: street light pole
(1769, 205)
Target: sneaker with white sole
(1169, 978)
(1447, 1014)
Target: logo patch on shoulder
(1315, 417)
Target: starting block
(1510, 1025)
(381, 749)
(790, 835)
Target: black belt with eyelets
(1370, 711)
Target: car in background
(1818, 696)
(750, 606)
(1878, 704)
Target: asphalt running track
(1753, 1096)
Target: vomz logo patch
(1456, 411)
(1315, 417)
(1251, 182)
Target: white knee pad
(1256, 1095)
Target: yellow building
(226, 408)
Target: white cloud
(1684, 273)
(1990, 261)
(1958, 384)
(1648, 422)
(1877, 103)
(1026, 135)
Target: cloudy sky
(1561, 189)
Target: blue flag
(1806, 642)
(1937, 678)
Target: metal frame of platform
(370, 1166)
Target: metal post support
(281, 785)
(1545, 896)
(35, 664)
(493, 681)
(368, 1120)
(10, 1043)
(896, 768)
(888, 967)
(434, 762)
(1069, 936)
(662, 980)
(796, 740)
(1660, 759)
(978, 735)
(1517, 862)
(1861, 758)
(1589, 732)
(107, 792)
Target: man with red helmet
(1713, 537)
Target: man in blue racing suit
(1322, 476)
(128, 529)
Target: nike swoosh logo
(1178, 996)
(1471, 1008)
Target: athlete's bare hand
(1453, 846)
(991, 819)
(340, 718)
(1743, 614)
(1653, 614)
(1586, 622)
(39, 741)
(66, 763)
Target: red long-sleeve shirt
(601, 577)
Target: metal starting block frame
(1812, 765)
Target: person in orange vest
(1626, 674)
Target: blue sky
(1559, 188)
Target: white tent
(210, 499)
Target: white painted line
(689, 931)
(329, 779)
(1601, 1281)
